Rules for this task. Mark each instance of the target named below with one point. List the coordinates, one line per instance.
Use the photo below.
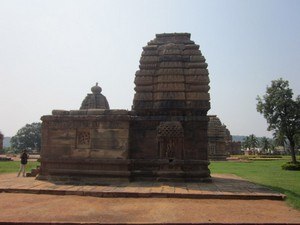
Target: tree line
(266, 145)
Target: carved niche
(170, 140)
(83, 139)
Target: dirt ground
(46, 208)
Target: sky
(53, 52)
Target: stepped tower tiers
(173, 78)
(217, 139)
(168, 138)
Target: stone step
(138, 194)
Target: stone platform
(223, 186)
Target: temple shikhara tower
(169, 136)
(163, 137)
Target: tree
(253, 141)
(265, 144)
(28, 137)
(281, 112)
(250, 142)
(246, 143)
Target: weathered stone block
(169, 71)
(145, 73)
(143, 80)
(148, 66)
(169, 96)
(60, 112)
(170, 87)
(202, 80)
(171, 64)
(149, 59)
(197, 58)
(197, 96)
(144, 96)
(170, 78)
(196, 65)
(196, 72)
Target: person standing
(24, 158)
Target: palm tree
(253, 141)
(246, 143)
(280, 140)
(265, 144)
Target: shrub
(270, 156)
(291, 166)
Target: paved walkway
(222, 187)
(227, 200)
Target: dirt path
(51, 208)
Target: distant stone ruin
(220, 144)
(216, 139)
(164, 136)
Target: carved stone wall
(86, 145)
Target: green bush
(271, 156)
(291, 166)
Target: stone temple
(163, 137)
(220, 143)
(217, 139)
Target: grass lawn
(267, 173)
(14, 166)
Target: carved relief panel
(83, 139)
(170, 139)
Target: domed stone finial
(96, 89)
(95, 100)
